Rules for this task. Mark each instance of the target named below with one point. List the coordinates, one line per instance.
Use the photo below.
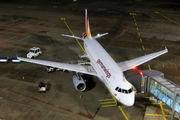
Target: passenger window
(36, 51)
(119, 90)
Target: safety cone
(23, 77)
(163, 65)
(80, 97)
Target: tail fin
(87, 27)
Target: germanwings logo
(104, 68)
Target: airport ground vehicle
(4, 60)
(42, 87)
(34, 52)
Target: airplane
(102, 66)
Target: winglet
(19, 58)
(166, 49)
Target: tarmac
(135, 28)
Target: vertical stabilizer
(87, 27)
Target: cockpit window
(130, 90)
(119, 90)
(123, 90)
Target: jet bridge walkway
(162, 89)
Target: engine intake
(79, 82)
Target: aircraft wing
(70, 67)
(126, 65)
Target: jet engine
(79, 82)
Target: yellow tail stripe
(88, 33)
(87, 27)
(88, 30)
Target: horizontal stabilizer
(100, 35)
(72, 36)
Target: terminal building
(161, 89)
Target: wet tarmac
(27, 24)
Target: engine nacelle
(79, 82)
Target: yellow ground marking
(123, 112)
(138, 0)
(138, 29)
(118, 105)
(63, 19)
(166, 17)
(156, 11)
(149, 67)
(139, 34)
(108, 102)
(106, 99)
(143, 47)
(132, 14)
(140, 40)
(54, 6)
(146, 97)
(163, 114)
(108, 105)
(162, 111)
(20, 7)
(73, 34)
(160, 115)
(111, 94)
(154, 103)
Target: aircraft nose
(130, 102)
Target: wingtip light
(133, 67)
(19, 59)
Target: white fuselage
(109, 72)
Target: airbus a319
(102, 65)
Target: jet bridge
(135, 77)
(162, 89)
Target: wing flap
(126, 65)
(70, 67)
